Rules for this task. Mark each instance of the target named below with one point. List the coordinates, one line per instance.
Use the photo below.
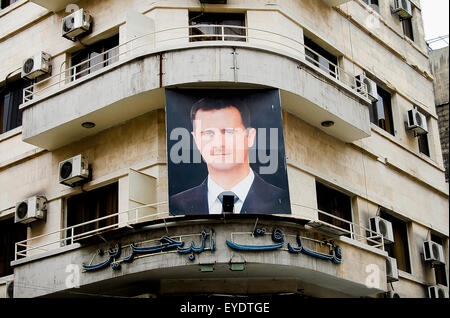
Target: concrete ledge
(46, 254)
(363, 246)
(5, 279)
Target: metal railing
(355, 231)
(155, 42)
(68, 236)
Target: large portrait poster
(225, 152)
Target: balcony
(138, 70)
(143, 252)
(55, 5)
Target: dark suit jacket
(263, 198)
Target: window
(11, 96)
(10, 233)
(95, 57)
(320, 57)
(6, 3)
(373, 4)
(92, 205)
(439, 269)
(216, 32)
(399, 249)
(336, 203)
(423, 144)
(408, 28)
(380, 112)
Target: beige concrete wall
(439, 61)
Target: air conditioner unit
(371, 86)
(383, 227)
(433, 252)
(403, 8)
(10, 289)
(391, 269)
(417, 122)
(74, 171)
(76, 24)
(392, 294)
(31, 209)
(437, 291)
(36, 65)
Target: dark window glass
(381, 111)
(11, 96)
(408, 28)
(95, 57)
(320, 57)
(423, 144)
(216, 33)
(399, 249)
(440, 269)
(6, 3)
(10, 233)
(336, 203)
(373, 4)
(93, 205)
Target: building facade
(368, 198)
(439, 60)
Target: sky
(435, 20)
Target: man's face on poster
(222, 138)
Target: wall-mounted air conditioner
(370, 85)
(403, 8)
(417, 122)
(433, 252)
(76, 24)
(36, 65)
(74, 171)
(437, 291)
(391, 294)
(391, 269)
(31, 209)
(383, 227)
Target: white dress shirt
(241, 190)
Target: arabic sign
(170, 244)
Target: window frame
(349, 217)
(12, 118)
(216, 18)
(87, 196)
(6, 3)
(395, 221)
(372, 3)
(317, 54)
(87, 59)
(408, 28)
(13, 227)
(386, 97)
(440, 267)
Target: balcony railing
(157, 41)
(67, 236)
